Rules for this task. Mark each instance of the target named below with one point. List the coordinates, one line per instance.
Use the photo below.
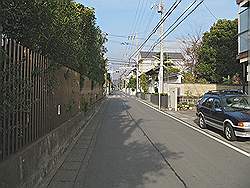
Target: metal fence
(31, 106)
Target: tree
(190, 46)
(144, 82)
(64, 31)
(132, 83)
(217, 53)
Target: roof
(156, 70)
(171, 55)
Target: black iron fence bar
(12, 77)
(8, 93)
(17, 72)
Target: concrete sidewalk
(72, 170)
(76, 161)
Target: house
(244, 40)
(149, 63)
(173, 78)
(150, 60)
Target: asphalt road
(137, 147)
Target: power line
(130, 44)
(143, 13)
(125, 36)
(133, 25)
(167, 33)
(210, 11)
(167, 14)
(136, 14)
(150, 21)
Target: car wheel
(202, 123)
(229, 133)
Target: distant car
(227, 110)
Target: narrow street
(125, 94)
(139, 147)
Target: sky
(123, 18)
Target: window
(203, 99)
(243, 41)
(217, 103)
(244, 29)
(208, 103)
(244, 20)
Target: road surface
(138, 147)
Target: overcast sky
(125, 17)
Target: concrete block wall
(199, 89)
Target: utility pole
(137, 67)
(137, 75)
(160, 86)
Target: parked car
(227, 110)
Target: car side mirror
(218, 109)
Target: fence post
(2, 126)
(1, 36)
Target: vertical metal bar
(46, 96)
(33, 97)
(8, 93)
(23, 59)
(39, 96)
(5, 119)
(31, 124)
(35, 85)
(47, 99)
(13, 119)
(21, 88)
(43, 101)
(26, 96)
(28, 99)
(1, 120)
(18, 97)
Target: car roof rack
(223, 92)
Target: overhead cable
(167, 14)
(169, 31)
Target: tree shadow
(123, 156)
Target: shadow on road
(123, 157)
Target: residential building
(150, 60)
(244, 40)
(149, 64)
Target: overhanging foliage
(64, 31)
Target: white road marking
(199, 130)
